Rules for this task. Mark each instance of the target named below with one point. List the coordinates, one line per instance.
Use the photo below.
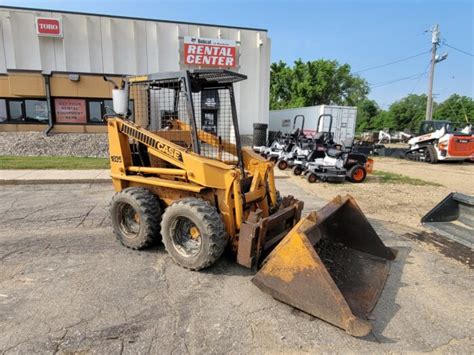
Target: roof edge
(130, 18)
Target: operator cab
(194, 109)
(427, 127)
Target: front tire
(312, 178)
(135, 213)
(282, 164)
(193, 233)
(297, 170)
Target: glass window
(16, 110)
(36, 110)
(3, 110)
(109, 107)
(95, 111)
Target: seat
(334, 153)
(348, 144)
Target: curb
(55, 181)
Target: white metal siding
(100, 44)
(343, 125)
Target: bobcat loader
(181, 175)
(440, 141)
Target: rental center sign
(49, 27)
(210, 52)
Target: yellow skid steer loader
(181, 174)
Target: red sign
(70, 111)
(210, 52)
(51, 27)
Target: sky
(362, 33)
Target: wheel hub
(194, 232)
(129, 220)
(186, 237)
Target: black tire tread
(149, 219)
(213, 224)
(297, 169)
(308, 178)
(282, 162)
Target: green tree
(314, 83)
(280, 85)
(408, 112)
(456, 108)
(367, 110)
(384, 119)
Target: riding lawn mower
(327, 161)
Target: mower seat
(334, 153)
(348, 144)
(318, 137)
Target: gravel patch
(58, 144)
(62, 144)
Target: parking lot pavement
(67, 286)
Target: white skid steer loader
(441, 141)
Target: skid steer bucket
(454, 218)
(332, 265)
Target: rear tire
(357, 174)
(312, 178)
(297, 170)
(282, 164)
(431, 156)
(193, 233)
(135, 213)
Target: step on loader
(181, 175)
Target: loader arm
(253, 162)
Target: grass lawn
(22, 162)
(392, 178)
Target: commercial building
(52, 64)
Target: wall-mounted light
(74, 77)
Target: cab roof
(204, 77)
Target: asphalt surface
(67, 286)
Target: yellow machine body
(195, 175)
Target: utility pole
(434, 42)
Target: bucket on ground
(332, 265)
(453, 217)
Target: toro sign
(50, 27)
(210, 52)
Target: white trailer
(343, 124)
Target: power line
(459, 50)
(418, 82)
(410, 77)
(394, 62)
(421, 76)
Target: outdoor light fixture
(440, 58)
